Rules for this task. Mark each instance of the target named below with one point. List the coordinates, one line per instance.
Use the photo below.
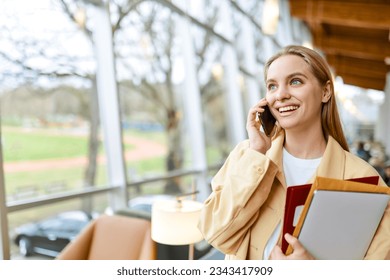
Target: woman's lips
(288, 108)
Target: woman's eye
(271, 87)
(296, 82)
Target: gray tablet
(340, 225)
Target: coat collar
(332, 163)
(275, 153)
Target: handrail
(48, 199)
(87, 191)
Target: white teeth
(287, 108)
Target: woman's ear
(326, 92)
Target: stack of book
(335, 219)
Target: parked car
(145, 202)
(49, 236)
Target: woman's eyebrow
(295, 74)
(269, 81)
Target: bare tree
(34, 59)
(154, 48)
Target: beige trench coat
(247, 202)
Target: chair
(112, 238)
(203, 250)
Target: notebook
(295, 199)
(340, 218)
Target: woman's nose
(282, 93)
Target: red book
(295, 200)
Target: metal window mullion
(233, 96)
(249, 62)
(193, 107)
(109, 105)
(4, 236)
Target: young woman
(242, 216)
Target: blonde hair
(330, 119)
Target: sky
(28, 21)
(41, 19)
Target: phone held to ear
(267, 121)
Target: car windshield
(50, 224)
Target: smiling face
(294, 94)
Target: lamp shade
(175, 222)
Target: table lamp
(174, 222)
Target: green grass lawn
(21, 145)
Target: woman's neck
(308, 144)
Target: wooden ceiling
(353, 34)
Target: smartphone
(267, 121)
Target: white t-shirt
(297, 171)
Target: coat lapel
(276, 155)
(332, 164)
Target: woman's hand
(299, 252)
(257, 140)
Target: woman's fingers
(257, 139)
(277, 254)
(255, 110)
(299, 252)
(293, 241)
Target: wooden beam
(354, 31)
(354, 36)
(350, 45)
(360, 72)
(372, 69)
(363, 82)
(373, 14)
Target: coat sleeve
(239, 189)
